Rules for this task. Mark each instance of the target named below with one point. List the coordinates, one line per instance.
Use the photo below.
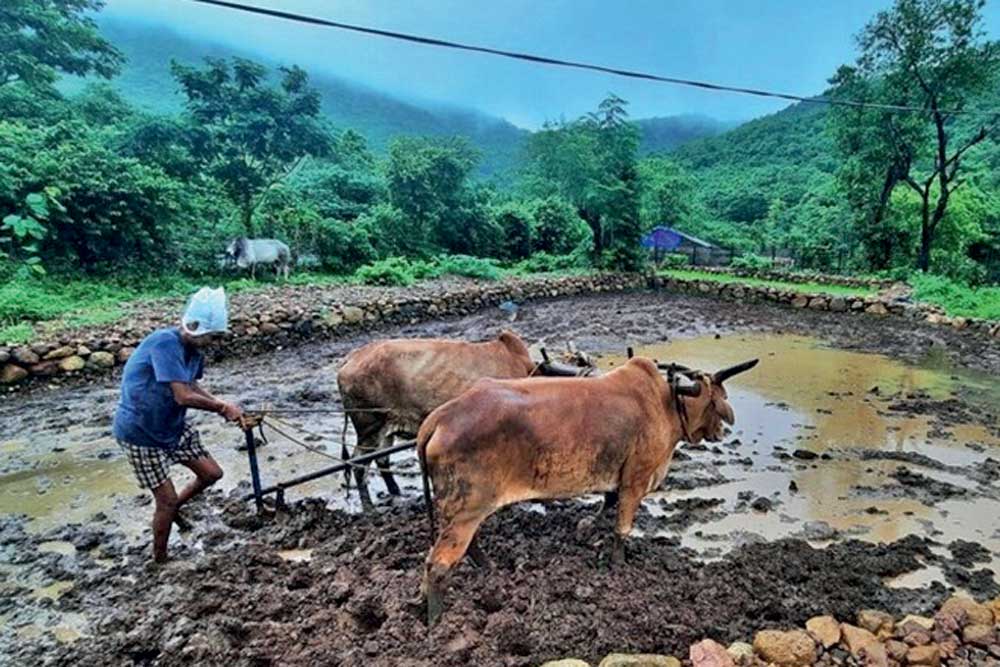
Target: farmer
(159, 384)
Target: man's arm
(192, 396)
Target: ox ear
(724, 409)
(726, 373)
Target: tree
(427, 181)
(930, 54)
(247, 134)
(40, 38)
(592, 164)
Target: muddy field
(864, 471)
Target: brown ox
(507, 441)
(389, 387)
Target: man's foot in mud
(182, 524)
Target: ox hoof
(435, 607)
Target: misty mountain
(146, 81)
(379, 116)
(665, 133)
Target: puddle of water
(52, 591)
(807, 396)
(296, 555)
(58, 547)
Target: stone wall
(793, 277)
(264, 321)
(880, 305)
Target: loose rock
(794, 648)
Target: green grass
(957, 299)
(809, 288)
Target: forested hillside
(145, 80)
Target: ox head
(704, 398)
(236, 250)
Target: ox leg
(390, 481)
(629, 499)
(383, 468)
(610, 502)
(452, 543)
(368, 439)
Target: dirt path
(231, 598)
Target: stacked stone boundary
(306, 313)
(799, 277)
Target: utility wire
(705, 85)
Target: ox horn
(629, 352)
(721, 376)
(685, 386)
(545, 355)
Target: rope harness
(674, 380)
(259, 420)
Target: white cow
(251, 252)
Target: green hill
(146, 82)
(664, 133)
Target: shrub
(470, 267)
(751, 262)
(543, 262)
(343, 247)
(390, 272)
(957, 298)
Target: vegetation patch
(956, 298)
(809, 288)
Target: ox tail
(423, 437)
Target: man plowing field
(159, 384)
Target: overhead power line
(544, 60)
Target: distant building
(662, 240)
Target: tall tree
(40, 38)
(592, 164)
(248, 134)
(428, 181)
(930, 54)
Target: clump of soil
(551, 592)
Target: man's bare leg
(166, 509)
(206, 473)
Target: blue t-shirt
(148, 415)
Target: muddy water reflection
(804, 396)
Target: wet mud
(551, 592)
(863, 471)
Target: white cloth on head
(207, 312)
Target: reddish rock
(979, 635)
(926, 656)
(124, 354)
(708, 653)
(967, 611)
(794, 648)
(825, 629)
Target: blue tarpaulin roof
(666, 238)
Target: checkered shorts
(152, 466)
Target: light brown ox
(389, 387)
(503, 442)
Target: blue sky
(787, 45)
